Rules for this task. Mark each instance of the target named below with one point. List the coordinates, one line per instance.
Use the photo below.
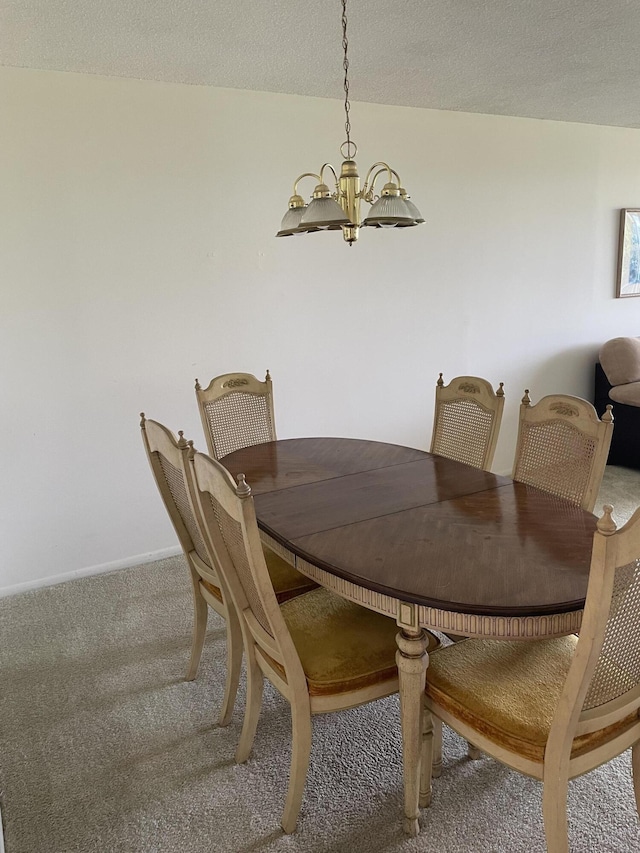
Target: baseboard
(126, 563)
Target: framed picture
(629, 253)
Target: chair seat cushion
(287, 581)
(214, 590)
(342, 646)
(628, 394)
(508, 691)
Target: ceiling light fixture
(340, 209)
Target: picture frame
(628, 281)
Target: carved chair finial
(526, 400)
(440, 382)
(192, 451)
(500, 391)
(608, 415)
(143, 420)
(182, 441)
(243, 489)
(267, 378)
(606, 525)
(198, 388)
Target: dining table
(428, 541)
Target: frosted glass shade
(413, 210)
(291, 222)
(324, 213)
(389, 211)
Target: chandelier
(330, 211)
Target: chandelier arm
(305, 175)
(335, 174)
(377, 175)
(367, 191)
(384, 165)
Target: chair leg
(255, 685)
(473, 752)
(234, 663)
(635, 767)
(300, 755)
(428, 756)
(436, 769)
(554, 812)
(200, 613)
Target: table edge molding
(500, 627)
(278, 548)
(377, 601)
(446, 621)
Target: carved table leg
(412, 661)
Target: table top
(420, 527)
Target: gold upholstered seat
(563, 447)
(168, 458)
(467, 419)
(320, 652)
(287, 581)
(212, 589)
(333, 655)
(553, 709)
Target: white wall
(137, 252)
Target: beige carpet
(103, 746)
(621, 489)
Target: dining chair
(562, 447)
(553, 709)
(236, 411)
(466, 424)
(320, 651)
(467, 420)
(172, 473)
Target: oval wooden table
(429, 542)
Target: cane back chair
(467, 420)
(562, 447)
(321, 652)
(168, 460)
(553, 709)
(236, 411)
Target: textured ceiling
(570, 60)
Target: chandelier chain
(345, 65)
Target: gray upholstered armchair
(618, 382)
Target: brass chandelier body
(340, 209)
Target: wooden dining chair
(320, 651)
(172, 473)
(467, 420)
(236, 411)
(562, 447)
(553, 709)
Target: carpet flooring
(105, 749)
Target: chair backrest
(603, 684)
(467, 420)
(236, 411)
(168, 458)
(563, 447)
(228, 520)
